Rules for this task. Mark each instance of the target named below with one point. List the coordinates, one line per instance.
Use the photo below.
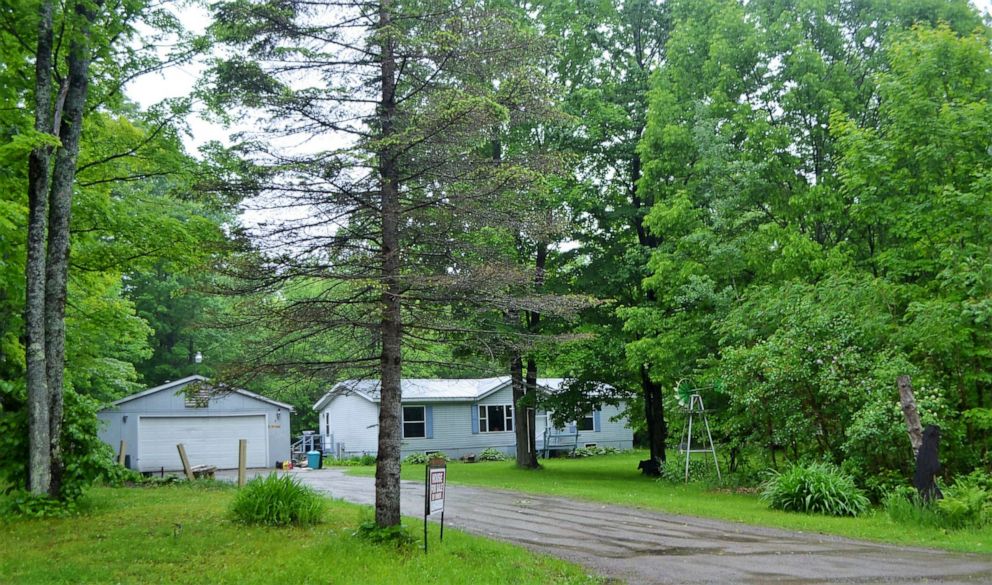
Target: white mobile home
(456, 416)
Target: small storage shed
(208, 422)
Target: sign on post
(434, 493)
(436, 489)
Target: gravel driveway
(640, 546)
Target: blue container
(313, 459)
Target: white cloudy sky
(178, 81)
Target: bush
(277, 500)
(673, 469)
(24, 503)
(365, 459)
(966, 504)
(423, 458)
(491, 454)
(814, 488)
(85, 457)
(903, 505)
(120, 476)
(591, 451)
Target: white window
(327, 423)
(414, 422)
(495, 418)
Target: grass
(615, 479)
(184, 534)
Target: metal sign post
(436, 472)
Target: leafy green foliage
(362, 460)
(26, 504)
(903, 505)
(593, 451)
(423, 458)
(277, 500)
(967, 504)
(86, 457)
(818, 488)
(397, 535)
(491, 454)
(700, 470)
(817, 211)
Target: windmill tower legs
(696, 409)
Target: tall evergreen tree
(390, 105)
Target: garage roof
(177, 384)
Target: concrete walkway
(639, 546)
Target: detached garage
(209, 423)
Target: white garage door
(209, 440)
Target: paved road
(640, 546)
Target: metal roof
(431, 389)
(197, 378)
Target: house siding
(167, 403)
(452, 427)
(354, 425)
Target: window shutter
(475, 418)
(595, 421)
(429, 421)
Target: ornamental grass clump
(277, 500)
(818, 488)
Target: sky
(178, 81)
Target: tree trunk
(387, 473)
(530, 413)
(909, 412)
(523, 414)
(524, 390)
(59, 214)
(39, 441)
(654, 412)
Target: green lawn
(133, 535)
(615, 479)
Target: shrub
(24, 503)
(903, 505)
(591, 451)
(365, 459)
(491, 454)
(699, 469)
(119, 476)
(423, 458)
(966, 504)
(814, 488)
(277, 500)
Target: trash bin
(313, 459)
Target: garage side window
(198, 397)
(414, 422)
